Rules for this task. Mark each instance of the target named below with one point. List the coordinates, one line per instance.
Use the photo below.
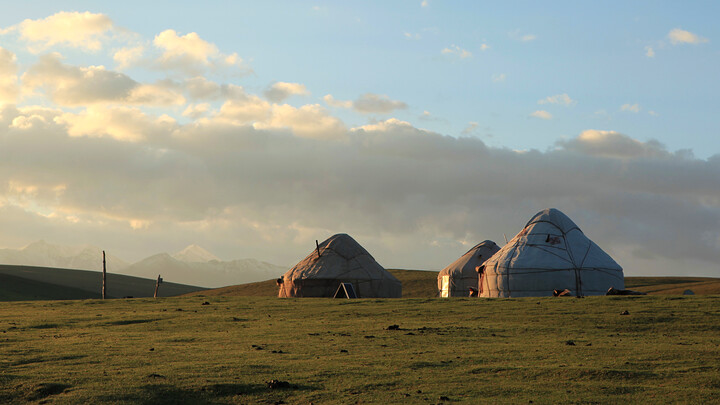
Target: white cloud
(471, 128)
(519, 36)
(191, 54)
(415, 36)
(649, 52)
(77, 86)
(74, 29)
(279, 91)
(542, 114)
(9, 89)
(332, 102)
(633, 108)
(484, 47)
(561, 99)
(308, 121)
(128, 56)
(246, 109)
(680, 36)
(499, 77)
(653, 113)
(377, 103)
(196, 111)
(611, 144)
(424, 3)
(121, 123)
(456, 50)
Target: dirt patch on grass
(45, 390)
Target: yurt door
(445, 291)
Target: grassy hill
(419, 284)
(226, 349)
(22, 283)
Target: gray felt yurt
(550, 253)
(339, 259)
(456, 279)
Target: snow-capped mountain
(195, 253)
(212, 273)
(46, 254)
(192, 265)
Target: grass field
(181, 350)
(423, 284)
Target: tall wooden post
(104, 276)
(317, 246)
(157, 285)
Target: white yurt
(456, 279)
(550, 253)
(339, 259)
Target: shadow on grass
(33, 360)
(210, 394)
(132, 321)
(45, 390)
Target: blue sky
(394, 110)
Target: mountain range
(192, 265)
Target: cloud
(308, 121)
(367, 103)
(561, 99)
(542, 114)
(196, 111)
(456, 50)
(121, 123)
(246, 109)
(678, 36)
(499, 77)
(611, 144)
(193, 55)
(649, 52)
(633, 108)
(424, 3)
(332, 102)
(519, 36)
(128, 56)
(471, 128)
(396, 188)
(377, 103)
(9, 89)
(415, 36)
(72, 29)
(484, 47)
(69, 85)
(279, 91)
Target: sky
(418, 127)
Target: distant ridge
(23, 283)
(193, 265)
(46, 254)
(195, 253)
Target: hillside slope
(31, 283)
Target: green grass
(24, 283)
(177, 350)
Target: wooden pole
(104, 276)
(317, 246)
(157, 285)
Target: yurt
(550, 253)
(456, 279)
(339, 259)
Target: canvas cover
(340, 260)
(456, 279)
(550, 253)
